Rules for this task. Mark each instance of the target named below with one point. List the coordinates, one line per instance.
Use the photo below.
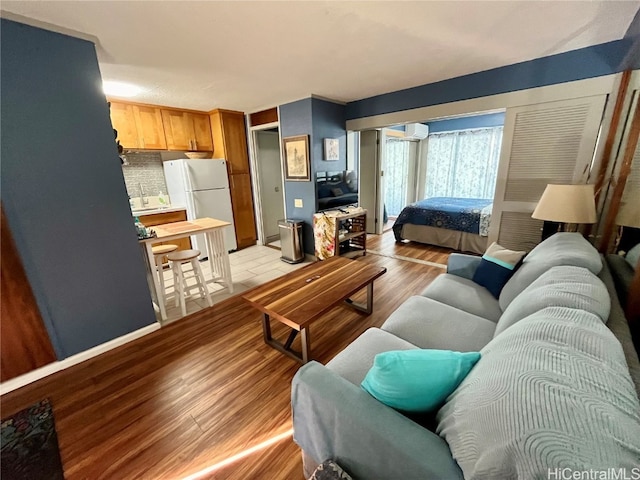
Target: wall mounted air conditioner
(416, 131)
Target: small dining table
(216, 251)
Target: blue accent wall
(464, 123)
(328, 122)
(64, 193)
(319, 119)
(594, 61)
(296, 119)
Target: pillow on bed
(496, 267)
(336, 192)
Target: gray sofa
(556, 387)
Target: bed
(458, 223)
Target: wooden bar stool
(179, 258)
(159, 251)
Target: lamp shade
(567, 204)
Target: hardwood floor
(386, 245)
(204, 397)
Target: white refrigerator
(203, 187)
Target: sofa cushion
(354, 362)
(564, 248)
(417, 380)
(496, 268)
(633, 256)
(567, 248)
(427, 323)
(552, 391)
(564, 286)
(464, 294)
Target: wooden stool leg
(161, 275)
(183, 306)
(201, 282)
(176, 284)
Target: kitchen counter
(155, 210)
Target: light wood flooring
(204, 397)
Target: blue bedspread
(461, 214)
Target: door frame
(255, 174)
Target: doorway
(268, 184)
(400, 161)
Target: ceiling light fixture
(120, 89)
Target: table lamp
(629, 213)
(628, 217)
(565, 204)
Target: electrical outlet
(297, 203)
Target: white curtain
(396, 173)
(463, 164)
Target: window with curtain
(396, 174)
(463, 163)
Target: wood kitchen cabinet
(230, 139)
(138, 126)
(230, 143)
(150, 128)
(123, 120)
(242, 205)
(187, 131)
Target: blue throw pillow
(496, 267)
(417, 380)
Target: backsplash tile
(145, 168)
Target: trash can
(291, 240)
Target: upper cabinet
(187, 130)
(155, 128)
(150, 128)
(230, 139)
(124, 122)
(202, 132)
(138, 126)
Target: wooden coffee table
(301, 297)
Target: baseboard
(58, 366)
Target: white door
(213, 204)
(205, 174)
(270, 174)
(546, 143)
(369, 168)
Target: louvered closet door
(545, 143)
(629, 211)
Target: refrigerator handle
(191, 210)
(186, 176)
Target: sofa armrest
(463, 265)
(333, 418)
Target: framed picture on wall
(296, 158)
(331, 149)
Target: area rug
(29, 445)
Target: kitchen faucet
(143, 200)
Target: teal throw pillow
(417, 380)
(633, 256)
(497, 266)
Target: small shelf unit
(344, 234)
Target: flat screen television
(335, 190)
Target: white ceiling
(252, 55)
